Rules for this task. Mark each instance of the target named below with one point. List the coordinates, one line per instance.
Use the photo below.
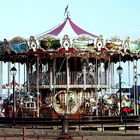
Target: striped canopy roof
(56, 31)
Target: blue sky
(106, 17)
(100, 17)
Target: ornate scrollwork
(18, 39)
(126, 44)
(32, 43)
(5, 47)
(66, 42)
(19, 45)
(49, 42)
(99, 43)
(65, 102)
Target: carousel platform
(86, 122)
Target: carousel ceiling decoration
(19, 45)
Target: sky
(100, 17)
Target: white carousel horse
(107, 99)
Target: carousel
(73, 76)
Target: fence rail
(60, 78)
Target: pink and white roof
(56, 31)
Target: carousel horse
(46, 107)
(86, 106)
(93, 104)
(125, 102)
(90, 105)
(110, 104)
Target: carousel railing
(60, 78)
(44, 78)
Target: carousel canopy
(56, 31)
(86, 45)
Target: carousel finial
(66, 11)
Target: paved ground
(39, 134)
(76, 138)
